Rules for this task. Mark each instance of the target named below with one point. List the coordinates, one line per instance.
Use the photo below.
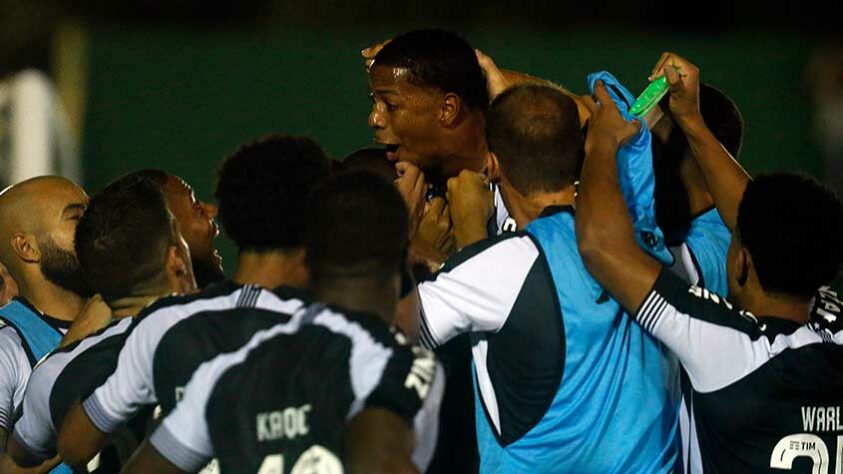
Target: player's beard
(61, 267)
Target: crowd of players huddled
(519, 279)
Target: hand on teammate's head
(496, 82)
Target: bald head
(38, 220)
(29, 205)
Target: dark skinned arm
(725, 177)
(79, 440)
(605, 234)
(148, 459)
(12, 451)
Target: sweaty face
(405, 117)
(196, 223)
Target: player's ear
(176, 266)
(450, 110)
(493, 169)
(25, 246)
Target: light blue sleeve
(708, 240)
(635, 173)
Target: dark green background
(180, 99)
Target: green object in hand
(650, 97)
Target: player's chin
(393, 152)
(216, 259)
(407, 155)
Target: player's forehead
(177, 188)
(58, 196)
(396, 82)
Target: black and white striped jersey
(16, 362)
(500, 221)
(501, 291)
(175, 336)
(281, 403)
(767, 391)
(701, 261)
(63, 378)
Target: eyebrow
(77, 206)
(385, 92)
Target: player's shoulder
(114, 328)
(214, 295)
(670, 293)
(361, 327)
(494, 250)
(8, 333)
(10, 341)
(14, 361)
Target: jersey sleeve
(12, 374)
(476, 289)
(183, 437)
(716, 343)
(636, 176)
(131, 385)
(412, 385)
(708, 241)
(34, 430)
(426, 422)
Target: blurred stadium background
(93, 89)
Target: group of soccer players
(520, 279)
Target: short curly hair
(440, 59)
(791, 225)
(356, 224)
(262, 190)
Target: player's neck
(355, 293)
(143, 294)
(526, 209)
(761, 303)
(130, 306)
(271, 269)
(468, 148)
(51, 299)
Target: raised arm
(725, 177)
(605, 234)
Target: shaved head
(38, 220)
